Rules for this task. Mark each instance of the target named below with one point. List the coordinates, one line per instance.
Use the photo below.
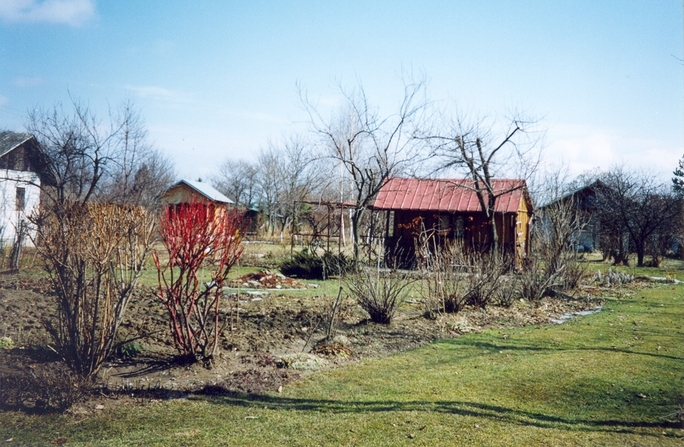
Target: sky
(219, 80)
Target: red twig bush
(203, 244)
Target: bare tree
(299, 176)
(80, 158)
(74, 151)
(237, 179)
(640, 207)
(139, 173)
(481, 150)
(269, 184)
(370, 148)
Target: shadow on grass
(510, 345)
(220, 396)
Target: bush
(203, 243)
(573, 275)
(303, 265)
(94, 255)
(308, 265)
(378, 293)
(337, 264)
(456, 277)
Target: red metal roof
(451, 195)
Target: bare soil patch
(270, 340)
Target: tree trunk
(640, 255)
(355, 220)
(493, 235)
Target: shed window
(443, 224)
(21, 199)
(458, 227)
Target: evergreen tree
(678, 179)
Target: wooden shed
(188, 191)
(449, 210)
(197, 193)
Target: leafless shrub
(534, 283)
(508, 292)
(575, 272)
(197, 237)
(456, 276)
(379, 292)
(94, 255)
(553, 263)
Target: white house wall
(9, 216)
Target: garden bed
(259, 338)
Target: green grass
(670, 267)
(612, 378)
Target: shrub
(378, 293)
(337, 264)
(573, 275)
(197, 237)
(307, 265)
(94, 255)
(456, 277)
(303, 265)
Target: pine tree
(678, 179)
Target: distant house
(448, 210)
(585, 202)
(19, 183)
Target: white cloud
(28, 81)
(582, 148)
(70, 12)
(152, 92)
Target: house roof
(204, 189)
(449, 195)
(582, 190)
(11, 140)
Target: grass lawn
(612, 378)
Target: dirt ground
(271, 339)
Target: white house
(19, 183)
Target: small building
(448, 210)
(19, 184)
(188, 191)
(585, 203)
(197, 193)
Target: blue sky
(218, 79)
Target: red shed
(449, 209)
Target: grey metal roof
(206, 190)
(11, 140)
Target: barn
(449, 210)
